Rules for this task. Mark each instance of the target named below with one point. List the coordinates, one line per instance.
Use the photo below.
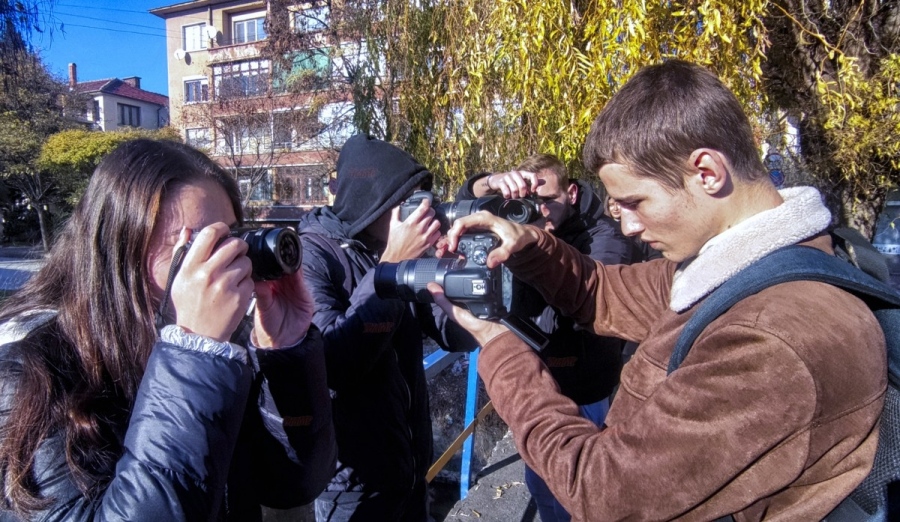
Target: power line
(110, 21)
(102, 8)
(118, 30)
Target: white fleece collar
(801, 216)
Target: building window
(243, 135)
(311, 20)
(197, 138)
(282, 130)
(196, 90)
(302, 185)
(194, 37)
(129, 115)
(248, 78)
(261, 191)
(310, 69)
(248, 28)
(95, 111)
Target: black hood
(589, 210)
(374, 176)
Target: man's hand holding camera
(513, 237)
(483, 331)
(411, 237)
(513, 184)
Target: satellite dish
(211, 32)
(180, 54)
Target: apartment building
(228, 98)
(114, 103)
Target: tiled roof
(119, 88)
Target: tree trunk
(45, 226)
(861, 215)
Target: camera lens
(274, 252)
(386, 280)
(287, 250)
(406, 280)
(452, 211)
(516, 210)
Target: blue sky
(108, 39)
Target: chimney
(134, 81)
(73, 76)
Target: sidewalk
(17, 264)
(499, 493)
(22, 252)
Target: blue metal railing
(434, 364)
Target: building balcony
(232, 52)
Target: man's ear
(572, 193)
(710, 170)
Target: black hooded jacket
(373, 346)
(585, 366)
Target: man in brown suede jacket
(773, 413)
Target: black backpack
(877, 498)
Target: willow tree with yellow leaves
(834, 69)
(485, 83)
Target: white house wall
(152, 116)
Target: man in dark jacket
(585, 366)
(373, 346)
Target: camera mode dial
(479, 255)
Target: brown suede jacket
(772, 415)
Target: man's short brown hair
(663, 114)
(538, 162)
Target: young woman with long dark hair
(103, 415)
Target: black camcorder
(274, 252)
(467, 282)
(519, 210)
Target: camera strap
(177, 259)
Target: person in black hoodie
(585, 366)
(373, 346)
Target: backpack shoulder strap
(328, 245)
(852, 246)
(795, 263)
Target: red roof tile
(119, 88)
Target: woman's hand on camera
(513, 237)
(483, 331)
(213, 287)
(284, 310)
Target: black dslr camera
(274, 252)
(467, 282)
(520, 210)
